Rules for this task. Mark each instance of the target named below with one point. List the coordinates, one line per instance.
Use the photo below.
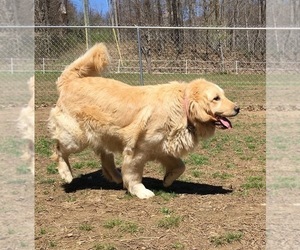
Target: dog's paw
(66, 176)
(140, 191)
(169, 179)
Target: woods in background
(173, 44)
(232, 13)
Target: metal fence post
(236, 67)
(43, 65)
(140, 55)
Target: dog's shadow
(95, 180)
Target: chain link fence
(16, 65)
(155, 55)
(148, 55)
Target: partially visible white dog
(26, 127)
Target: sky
(100, 6)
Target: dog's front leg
(132, 173)
(174, 168)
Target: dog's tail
(92, 63)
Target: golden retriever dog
(144, 123)
(26, 127)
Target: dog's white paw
(140, 191)
(66, 176)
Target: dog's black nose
(237, 109)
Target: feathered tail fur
(92, 63)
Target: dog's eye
(217, 98)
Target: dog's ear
(199, 112)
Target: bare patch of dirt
(219, 202)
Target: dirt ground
(17, 186)
(219, 202)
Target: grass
(222, 176)
(46, 89)
(23, 169)
(85, 227)
(51, 168)
(169, 221)
(43, 231)
(122, 226)
(103, 246)
(11, 146)
(112, 223)
(283, 182)
(256, 182)
(52, 243)
(14, 89)
(196, 173)
(78, 165)
(197, 159)
(165, 195)
(43, 146)
(47, 181)
(227, 238)
(178, 245)
(166, 211)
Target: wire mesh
(158, 54)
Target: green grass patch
(78, 165)
(23, 169)
(47, 181)
(104, 246)
(165, 195)
(178, 246)
(254, 182)
(196, 159)
(122, 226)
(71, 199)
(51, 168)
(166, 211)
(169, 222)
(227, 238)
(85, 227)
(197, 173)
(52, 243)
(112, 223)
(92, 164)
(43, 231)
(11, 146)
(222, 176)
(283, 182)
(43, 146)
(17, 182)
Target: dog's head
(207, 103)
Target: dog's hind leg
(109, 169)
(64, 168)
(174, 168)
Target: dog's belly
(111, 139)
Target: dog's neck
(186, 105)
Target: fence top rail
(149, 27)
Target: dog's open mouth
(223, 123)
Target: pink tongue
(225, 122)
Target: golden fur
(26, 127)
(144, 123)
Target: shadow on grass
(95, 180)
